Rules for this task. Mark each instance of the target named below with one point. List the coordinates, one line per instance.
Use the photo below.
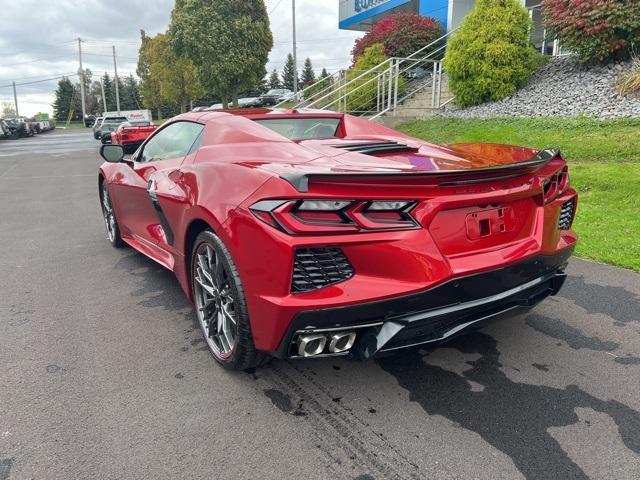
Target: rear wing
(300, 180)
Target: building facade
(361, 15)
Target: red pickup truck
(131, 135)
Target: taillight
(556, 184)
(336, 216)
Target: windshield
(302, 128)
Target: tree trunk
(159, 113)
(225, 102)
(234, 96)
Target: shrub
(629, 83)
(490, 56)
(596, 30)
(364, 96)
(401, 34)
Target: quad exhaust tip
(311, 345)
(341, 341)
(315, 344)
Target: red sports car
(309, 233)
(131, 135)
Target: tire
(219, 297)
(109, 215)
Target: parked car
(276, 95)
(131, 135)
(107, 125)
(89, 121)
(40, 125)
(250, 102)
(96, 126)
(306, 234)
(5, 131)
(19, 127)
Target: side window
(173, 141)
(197, 143)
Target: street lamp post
(295, 59)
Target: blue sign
(362, 5)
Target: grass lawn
(604, 160)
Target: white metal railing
(541, 42)
(380, 89)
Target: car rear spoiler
(300, 181)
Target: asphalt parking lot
(104, 374)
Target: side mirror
(112, 153)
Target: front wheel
(220, 305)
(111, 224)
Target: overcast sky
(38, 40)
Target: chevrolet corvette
(305, 234)
(131, 135)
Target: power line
(33, 61)
(318, 40)
(38, 81)
(47, 49)
(57, 77)
(273, 9)
(36, 76)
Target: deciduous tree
(227, 40)
(595, 29)
(401, 34)
(149, 81)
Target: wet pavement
(104, 374)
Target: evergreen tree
(64, 98)
(490, 55)
(96, 93)
(274, 80)
(324, 73)
(91, 101)
(109, 92)
(130, 94)
(308, 75)
(288, 73)
(120, 92)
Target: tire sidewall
(117, 239)
(243, 327)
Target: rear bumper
(435, 314)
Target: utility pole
(115, 68)
(104, 99)
(15, 98)
(295, 59)
(81, 73)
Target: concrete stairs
(418, 105)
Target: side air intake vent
(316, 268)
(566, 215)
(369, 148)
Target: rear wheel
(220, 305)
(111, 224)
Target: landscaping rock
(563, 88)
